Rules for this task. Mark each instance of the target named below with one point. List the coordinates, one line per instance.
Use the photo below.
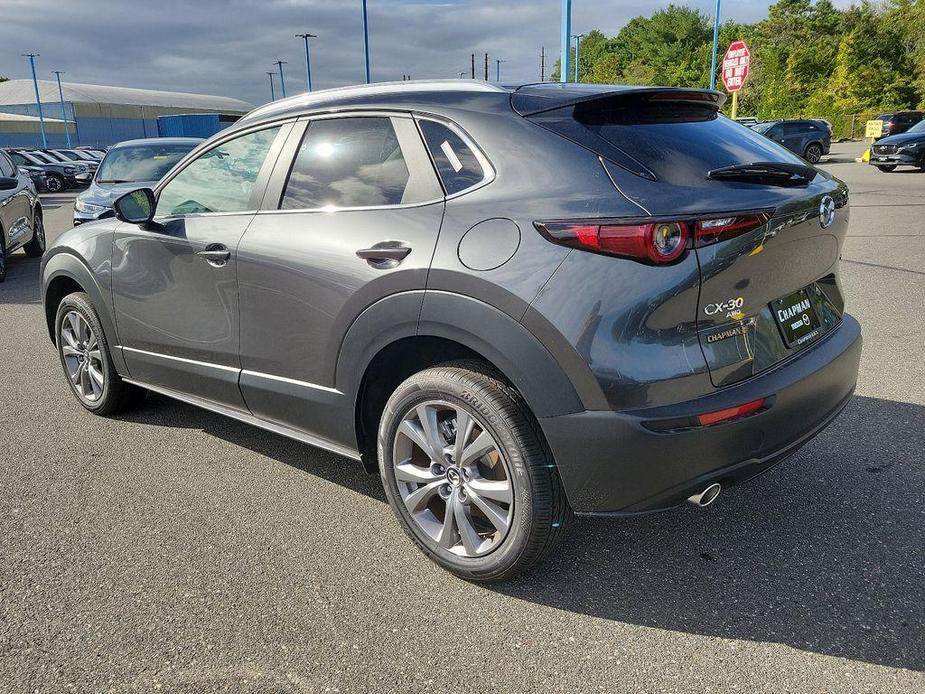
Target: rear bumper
(612, 462)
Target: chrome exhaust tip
(706, 497)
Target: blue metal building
(102, 115)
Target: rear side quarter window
(459, 167)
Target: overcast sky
(225, 47)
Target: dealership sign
(735, 66)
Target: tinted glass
(68, 155)
(41, 156)
(220, 180)
(19, 159)
(347, 162)
(456, 162)
(918, 127)
(135, 163)
(678, 142)
(794, 128)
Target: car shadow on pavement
(825, 553)
(160, 410)
(21, 285)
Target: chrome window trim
(480, 156)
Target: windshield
(67, 155)
(140, 162)
(918, 127)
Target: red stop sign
(735, 66)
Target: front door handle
(385, 254)
(215, 254)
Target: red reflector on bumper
(709, 418)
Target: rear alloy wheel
(813, 154)
(36, 246)
(54, 183)
(467, 473)
(887, 169)
(85, 357)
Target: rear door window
(357, 161)
(458, 165)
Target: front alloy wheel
(468, 474)
(87, 362)
(83, 360)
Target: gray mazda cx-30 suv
(512, 304)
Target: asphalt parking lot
(172, 548)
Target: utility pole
(308, 62)
(486, 67)
(282, 82)
(473, 66)
(565, 48)
(272, 88)
(577, 38)
(67, 130)
(498, 62)
(715, 47)
(366, 39)
(38, 100)
(542, 63)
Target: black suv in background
(899, 122)
(905, 149)
(811, 139)
(20, 214)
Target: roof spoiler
(531, 99)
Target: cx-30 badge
(826, 212)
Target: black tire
(117, 395)
(54, 183)
(813, 153)
(36, 246)
(2, 257)
(540, 511)
(887, 169)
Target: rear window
(678, 142)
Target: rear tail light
(653, 242)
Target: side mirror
(8, 182)
(136, 207)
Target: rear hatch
(766, 227)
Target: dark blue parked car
(811, 139)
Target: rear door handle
(385, 254)
(215, 254)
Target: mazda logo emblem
(826, 212)
(453, 476)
